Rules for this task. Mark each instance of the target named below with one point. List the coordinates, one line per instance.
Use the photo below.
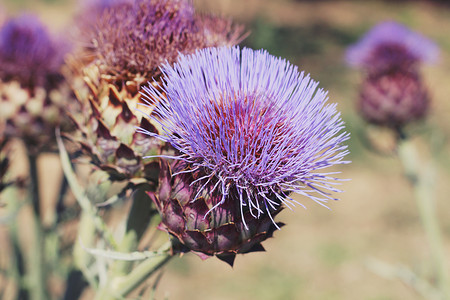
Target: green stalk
(120, 287)
(139, 218)
(19, 273)
(85, 238)
(36, 261)
(18, 263)
(80, 194)
(422, 180)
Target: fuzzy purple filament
(252, 121)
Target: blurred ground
(322, 254)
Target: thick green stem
(34, 184)
(143, 271)
(120, 287)
(22, 292)
(80, 194)
(18, 261)
(36, 261)
(85, 238)
(422, 179)
(60, 207)
(140, 215)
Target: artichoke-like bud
(106, 128)
(193, 223)
(33, 94)
(127, 44)
(393, 99)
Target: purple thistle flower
(133, 38)
(391, 45)
(252, 124)
(27, 52)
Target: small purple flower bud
(390, 46)
(393, 99)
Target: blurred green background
(322, 254)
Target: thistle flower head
(390, 45)
(134, 37)
(253, 126)
(28, 54)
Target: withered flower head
(138, 37)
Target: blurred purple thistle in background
(34, 96)
(390, 45)
(249, 127)
(27, 52)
